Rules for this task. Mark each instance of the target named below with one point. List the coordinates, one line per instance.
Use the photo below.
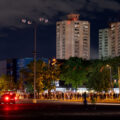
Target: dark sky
(16, 39)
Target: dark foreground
(52, 110)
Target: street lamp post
(29, 22)
(35, 33)
(108, 66)
(119, 78)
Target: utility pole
(34, 23)
(35, 30)
(119, 78)
(111, 84)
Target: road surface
(55, 110)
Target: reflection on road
(7, 107)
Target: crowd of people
(75, 96)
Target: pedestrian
(85, 100)
(62, 95)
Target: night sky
(16, 39)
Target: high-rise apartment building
(109, 41)
(104, 43)
(72, 38)
(115, 39)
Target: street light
(108, 66)
(34, 23)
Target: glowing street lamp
(30, 22)
(54, 61)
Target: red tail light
(15, 98)
(7, 98)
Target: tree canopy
(46, 75)
(94, 74)
(74, 72)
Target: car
(8, 99)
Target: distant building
(109, 41)
(12, 67)
(72, 38)
(3, 66)
(104, 43)
(115, 39)
(8, 67)
(23, 62)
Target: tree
(46, 75)
(29, 75)
(99, 79)
(6, 83)
(74, 71)
(21, 81)
(51, 75)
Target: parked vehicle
(8, 99)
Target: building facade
(12, 67)
(104, 43)
(8, 67)
(109, 41)
(72, 38)
(21, 64)
(3, 66)
(115, 39)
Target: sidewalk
(28, 101)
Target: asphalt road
(53, 110)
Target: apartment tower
(72, 38)
(115, 39)
(104, 43)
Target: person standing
(85, 99)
